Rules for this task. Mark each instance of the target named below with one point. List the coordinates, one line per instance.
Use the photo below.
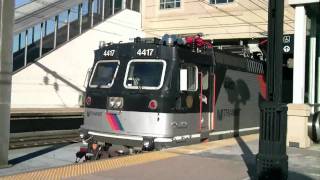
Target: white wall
(57, 80)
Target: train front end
(127, 93)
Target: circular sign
(286, 49)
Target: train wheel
(314, 128)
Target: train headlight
(118, 103)
(112, 102)
(115, 102)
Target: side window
(205, 80)
(220, 1)
(169, 4)
(189, 78)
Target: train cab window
(104, 74)
(145, 74)
(189, 78)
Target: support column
(32, 37)
(68, 25)
(19, 41)
(113, 5)
(56, 20)
(90, 12)
(318, 68)
(298, 112)
(41, 40)
(102, 9)
(80, 17)
(45, 28)
(312, 62)
(25, 48)
(6, 35)
(299, 55)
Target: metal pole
(131, 4)
(90, 8)
(318, 72)
(113, 5)
(41, 39)
(80, 17)
(26, 48)
(45, 28)
(32, 35)
(6, 35)
(312, 62)
(56, 19)
(272, 159)
(68, 25)
(19, 41)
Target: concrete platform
(22, 112)
(225, 159)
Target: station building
(54, 42)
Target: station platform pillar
(297, 132)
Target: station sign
(288, 43)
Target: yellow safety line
(92, 167)
(108, 164)
(196, 148)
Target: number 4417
(145, 52)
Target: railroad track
(43, 138)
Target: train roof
(206, 56)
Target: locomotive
(154, 94)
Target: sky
(22, 2)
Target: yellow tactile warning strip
(108, 164)
(92, 167)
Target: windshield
(104, 74)
(145, 74)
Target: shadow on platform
(36, 154)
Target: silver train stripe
(176, 138)
(232, 131)
(137, 138)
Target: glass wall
(96, 11)
(15, 45)
(48, 39)
(117, 5)
(136, 5)
(33, 43)
(62, 28)
(74, 22)
(85, 15)
(108, 8)
(55, 30)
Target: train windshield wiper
(137, 82)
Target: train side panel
(237, 104)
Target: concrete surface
(236, 161)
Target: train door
(195, 85)
(204, 99)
